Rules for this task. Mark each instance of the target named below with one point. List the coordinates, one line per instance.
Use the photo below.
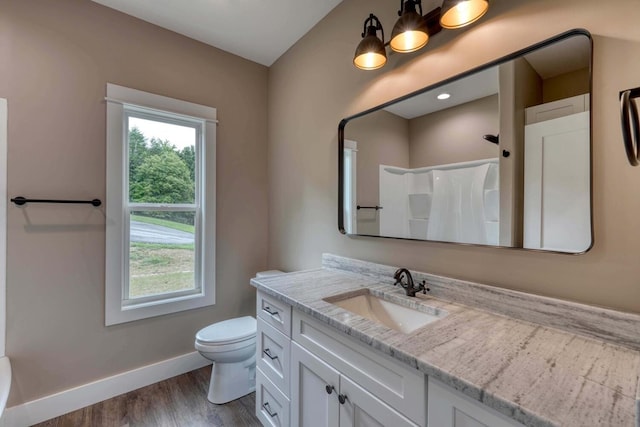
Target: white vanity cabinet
(297, 357)
(309, 375)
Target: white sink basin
(377, 309)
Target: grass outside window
(157, 268)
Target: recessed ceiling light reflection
(444, 96)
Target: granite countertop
(535, 374)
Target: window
(160, 244)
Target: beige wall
(455, 135)
(566, 85)
(55, 59)
(383, 138)
(314, 85)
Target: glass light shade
(410, 33)
(458, 13)
(370, 53)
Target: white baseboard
(75, 398)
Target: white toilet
(231, 346)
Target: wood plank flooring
(177, 402)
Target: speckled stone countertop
(537, 374)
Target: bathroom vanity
(327, 354)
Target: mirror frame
(510, 57)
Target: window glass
(161, 253)
(162, 183)
(162, 161)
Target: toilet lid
(228, 331)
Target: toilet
(231, 346)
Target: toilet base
(230, 381)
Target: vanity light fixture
(443, 96)
(413, 29)
(458, 13)
(410, 32)
(370, 53)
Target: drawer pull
(342, 398)
(329, 389)
(269, 355)
(269, 311)
(267, 408)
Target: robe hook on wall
(494, 139)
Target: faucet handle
(422, 286)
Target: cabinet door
(311, 405)
(362, 409)
(450, 408)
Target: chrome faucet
(409, 287)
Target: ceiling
(570, 54)
(562, 57)
(260, 31)
(475, 86)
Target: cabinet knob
(342, 398)
(329, 389)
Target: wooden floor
(176, 402)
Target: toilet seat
(228, 332)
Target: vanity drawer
(272, 407)
(273, 355)
(274, 312)
(401, 387)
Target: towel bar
(21, 201)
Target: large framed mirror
(497, 156)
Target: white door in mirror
(557, 190)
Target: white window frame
(350, 195)
(123, 103)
